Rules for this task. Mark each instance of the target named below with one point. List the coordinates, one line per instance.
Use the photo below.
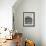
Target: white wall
(6, 13)
(43, 22)
(29, 32)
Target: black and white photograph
(29, 19)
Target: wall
(43, 22)
(6, 13)
(32, 33)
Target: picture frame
(13, 22)
(28, 19)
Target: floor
(9, 43)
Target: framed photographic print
(28, 19)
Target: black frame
(33, 19)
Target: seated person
(18, 40)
